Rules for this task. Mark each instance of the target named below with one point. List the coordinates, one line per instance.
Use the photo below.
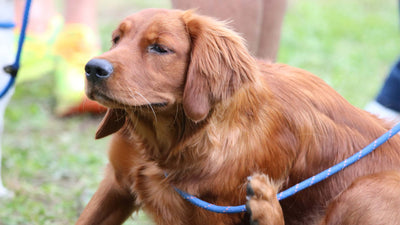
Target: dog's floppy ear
(219, 64)
(111, 123)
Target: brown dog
(186, 99)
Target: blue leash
(13, 69)
(302, 185)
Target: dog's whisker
(133, 95)
(176, 113)
(149, 104)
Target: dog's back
(328, 130)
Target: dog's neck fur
(164, 132)
(177, 143)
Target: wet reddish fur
(228, 116)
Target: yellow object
(37, 57)
(74, 47)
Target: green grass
(350, 44)
(54, 165)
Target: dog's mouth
(112, 102)
(158, 104)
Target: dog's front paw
(262, 203)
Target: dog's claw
(249, 191)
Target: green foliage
(54, 165)
(350, 44)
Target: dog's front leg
(262, 204)
(111, 204)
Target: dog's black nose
(98, 69)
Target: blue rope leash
(13, 69)
(211, 207)
(302, 185)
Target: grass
(350, 44)
(54, 165)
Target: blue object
(211, 207)
(389, 95)
(13, 69)
(302, 185)
(7, 25)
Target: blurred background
(53, 165)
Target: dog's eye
(116, 39)
(158, 49)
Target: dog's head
(161, 59)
